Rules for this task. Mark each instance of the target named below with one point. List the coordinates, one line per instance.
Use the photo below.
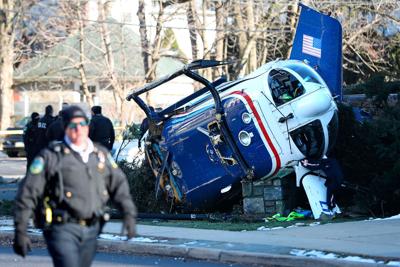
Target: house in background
(54, 78)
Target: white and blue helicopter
(258, 127)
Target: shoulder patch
(112, 161)
(37, 165)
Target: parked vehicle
(13, 143)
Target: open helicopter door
(314, 186)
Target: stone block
(269, 203)
(253, 205)
(258, 191)
(277, 182)
(247, 189)
(268, 182)
(270, 210)
(273, 193)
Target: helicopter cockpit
(284, 86)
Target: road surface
(40, 258)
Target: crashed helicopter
(257, 127)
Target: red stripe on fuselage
(262, 127)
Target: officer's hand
(22, 243)
(130, 226)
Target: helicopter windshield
(305, 72)
(284, 86)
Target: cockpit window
(305, 73)
(284, 86)
(309, 139)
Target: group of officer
(39, 132)
(68, 184)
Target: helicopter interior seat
(280, 85)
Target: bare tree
(7, 36)
(118, 92)
(81, 64)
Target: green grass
(236, 225)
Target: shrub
(369, 152)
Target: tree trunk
(81, 66)
(143, 36)
(293, 12)
(118, 93)
(191, 19)
(220, 35)
(6, 63)
(252, 57)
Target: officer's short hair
(35, 115)
(48, 110)
(96, 109)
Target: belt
(84, 222)
(66, 218)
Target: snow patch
(329, 255)
(6, 228)
(135, 239)
(6, 222)
(395, 217)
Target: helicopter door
(285, 88)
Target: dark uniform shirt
(85, 187)
(55, 132)
(31, 132)
(101, 130)
(43, 124)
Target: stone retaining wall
(269, 197)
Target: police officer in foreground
(101, 129)
(74, 180)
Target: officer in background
(30, 135)
(43, 124)
(74, 179)
(55, 132)
(101, 129)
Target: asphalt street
(40, 258)
(358, 243)
(11, 167)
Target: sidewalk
(362, 243)
(375, 239)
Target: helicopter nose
(314, 104)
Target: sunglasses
(74, 125)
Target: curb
(10, 179)
(204, 254)
(224, 256)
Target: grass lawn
(217, 222)
(236, 225)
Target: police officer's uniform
(101, 129)
(75, 187)
(55, 132)
(43, 124)
(30, 135)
